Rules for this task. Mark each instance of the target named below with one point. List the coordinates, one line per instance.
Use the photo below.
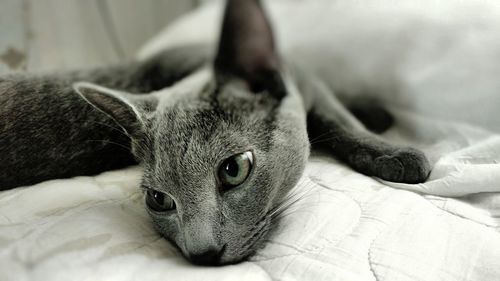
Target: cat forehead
(208, 123)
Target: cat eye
(235, 170)
(159, 201)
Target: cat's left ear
(127, 110)
(247, 48)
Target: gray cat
(221, 141)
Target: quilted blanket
(346, 226)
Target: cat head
(221, 148)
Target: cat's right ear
(247, 49)
(121, 107)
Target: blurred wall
(37, 35)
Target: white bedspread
(346, 227)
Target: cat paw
(405, 165)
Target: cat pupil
(159, 197)
(232, 168)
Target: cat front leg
(333, 128)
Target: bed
(347, 226)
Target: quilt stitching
(370, 258)
(461, 216)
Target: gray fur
(47, 131)
(249, 100)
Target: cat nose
(210, 256)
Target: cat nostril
(209, 257)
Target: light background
(44, 35)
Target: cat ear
(246, 46)
(117, 105)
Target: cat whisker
(319, 136)
(119, 130)
(114, 128)
(111, 142)
(290, 200)
(224, 215)
(323, 140)
(275, 216)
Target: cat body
(221, 138)
(48, 131)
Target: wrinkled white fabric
(345, 227)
